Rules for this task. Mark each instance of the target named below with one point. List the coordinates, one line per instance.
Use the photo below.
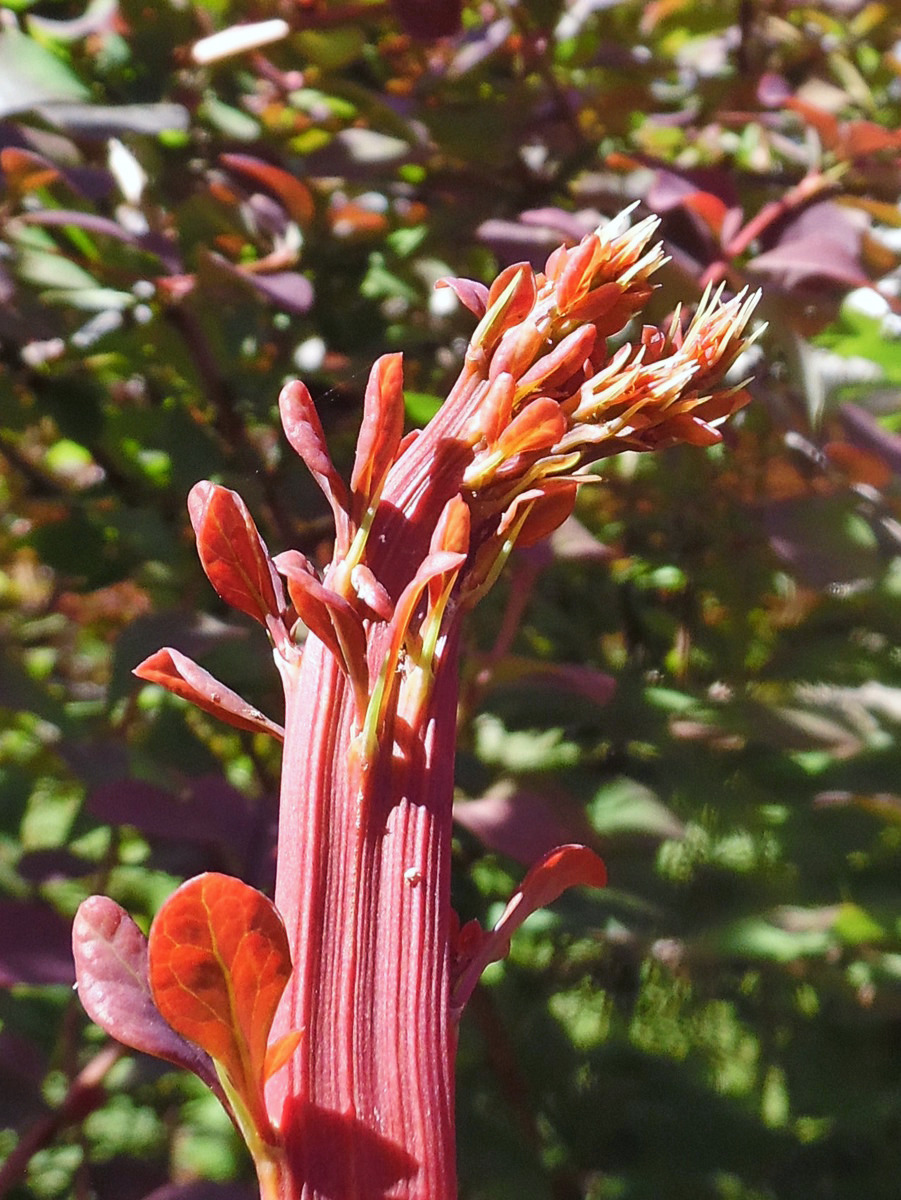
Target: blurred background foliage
(702, 676)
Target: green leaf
(421, 406)
(626, 806)
(31, 76)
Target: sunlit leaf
(233, 554)
(219, 962)
(180, 675)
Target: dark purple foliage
(429, 18)
(35, 946)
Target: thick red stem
(366, 1106)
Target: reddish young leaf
(562, 868)
(294, 195)
(450, 535)
(25, 171)
(181, 675)
(327, 615)
(371, 592)
(219, 962)
(111, 969)
(380, 431)
(439, 565)
(561, 363)
(548, 510)
(304, 431)
(232, 552)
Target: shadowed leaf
(111, 968)
(34, 944)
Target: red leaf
(380, 431)
(327, 615)
(232, 552)
(26, 171)
(303, 429)
(562, 868)
(113, 986)
(280, 1052)
(294, 195)
(182, 676)
(711, 209)
(219, 962)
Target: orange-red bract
(219, 962)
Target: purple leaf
(21, 1059)
(34, 944)
(512, 241)
(40, 866)
(523, 824)
(472, 295)
(101, 121)
(571, 227)
(201, 1189)
(358, 154)
(811, 257)
(288, 290)
(821, 242)
(97, 18)
(478, 44)
(152, 242)
(429, 18)
(671, 187)
(91, 222)
(811, 535)
(595, 686)
(111, 967)
(210, 812)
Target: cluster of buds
(327, 1021)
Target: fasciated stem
(365, 1107)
